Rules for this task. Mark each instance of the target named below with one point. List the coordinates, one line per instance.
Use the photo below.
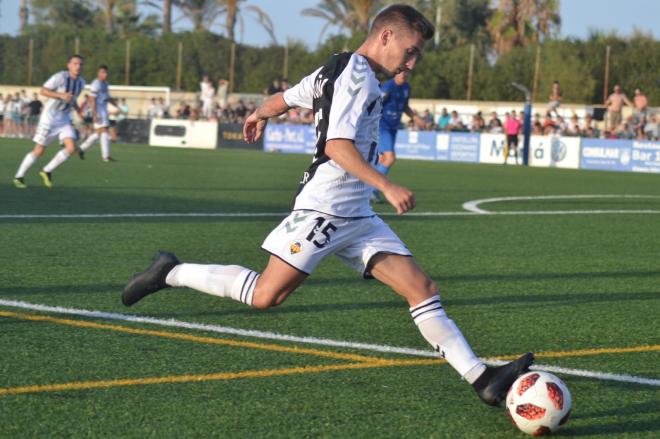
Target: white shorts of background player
(306, 237)
(47, 131)
(102, 120)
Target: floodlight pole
(527, 123)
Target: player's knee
(265, 297)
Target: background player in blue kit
(395, 93)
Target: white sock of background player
(89, 141)
(59, 158)
(27, 162)
(105, 145)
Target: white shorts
(102, 120)
(307, 237)
(46, 132)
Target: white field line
(473, 206)
(284, 214)
(266, 335)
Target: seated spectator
(478, 123)
(443, 120)
(537, 128)
(573, 128)
(456, 124)
(651, 128)
(427, 117)
(549, 126)
(494, 124)
(153, 109)
(275, 87)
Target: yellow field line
(83, 385)
(193, 338)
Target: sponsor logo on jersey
(295, 248)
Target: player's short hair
(103, 67)
(75, 55)
(403, 16)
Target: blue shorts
(386, 140)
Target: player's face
(75, 67)
(402, 51)
(102, 74)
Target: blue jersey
(395, 100)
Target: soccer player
(512, 128)
(99, 99)
(62, 90)
(332, 213)
(395, 93)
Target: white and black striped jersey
(57, 109)
(345, 97)
(100, 91)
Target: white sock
(89, 142)
(232, 281)
(59, 158)
(25, 164)
(105, 145)
(445, 337)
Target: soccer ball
(538, 403)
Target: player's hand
(419, 122)
(66, 97)
(253, 128)
(401, 198)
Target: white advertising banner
(554, 152)
(183, 133)
(491, 149)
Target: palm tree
(202, 13)
(107, 10)
(520, 22)
(167, 16)
(23, 14)
(352, 15)
(232, 9)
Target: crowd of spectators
(19, 114)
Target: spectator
(478, 123)
(6, 117)
(207, 92)
(573, 128)
(495, 124)
(152, 111)
(456, 124)
(123, 107)
(427, 118)
(275, 87)
(614, 104)
(16, 111)
(549, 126)
(443, 120)
(223, 89)
(284, 84)
(184, 111)
(35, 106)
(555, 98)
(641, 103)
(162, 109)
(651, 129)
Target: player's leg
(506, 148)
(271, 288)
(402, 274)
(27, 162)
(386, 155)
(90, 140)
(67, 136)
(105, 144)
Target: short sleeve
(95, 88)
(54, 82)
(302, 94)
(349, 100)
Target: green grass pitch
(513, 283)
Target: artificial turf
(513, 283)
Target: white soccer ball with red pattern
(538, 403)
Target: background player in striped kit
(62, 90)
(99, 98)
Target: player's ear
(386, 36)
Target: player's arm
(255, 124)
(411, 114)
(344, 153)
(92, 102)
(78, 109)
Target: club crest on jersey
(295, 248)
(319, 83)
